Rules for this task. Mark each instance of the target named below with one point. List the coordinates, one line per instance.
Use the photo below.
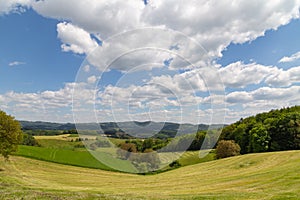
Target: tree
(260, 139)
(227, 148)
(29, 140)
(10, 134)
(125, 150)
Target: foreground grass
(254, 176)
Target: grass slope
(254, 176)
(80, 158)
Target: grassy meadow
(253, 176)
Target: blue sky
(31, 39)
(48, 51)
(268, 49)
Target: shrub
(227, 148)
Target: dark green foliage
(71, 131)
(10, 134)
(29, 140)
(259, 139)
(227, 148)
(276, 130)
(175, 164)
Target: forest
(277, 130)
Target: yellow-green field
(254, 176)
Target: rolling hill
(254, 176)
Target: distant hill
(39, 125)
(133, 128)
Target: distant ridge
(133, 128)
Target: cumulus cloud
(239, 97)
(103, 17)
(240, 75)
(291, 58)
(283, 78)
(267, 95)
(75, 39)
(232, 22)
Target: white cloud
(102, 17)
(291, 58)
(240, 75)
(75, 39)
(231, 22)
(7, 6)
(239, 97)
(273, 96)
(283, 78)
(16, 63)
(46, 105)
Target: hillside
(253, 176)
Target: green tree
(260, 139)
(29, 140)
(227, 148)
(286, 136)
(10, 134)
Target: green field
(253, 176)
(80, 157)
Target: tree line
(276, 130)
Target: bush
(227, 148)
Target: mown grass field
(254, 176)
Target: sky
(165, 60)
